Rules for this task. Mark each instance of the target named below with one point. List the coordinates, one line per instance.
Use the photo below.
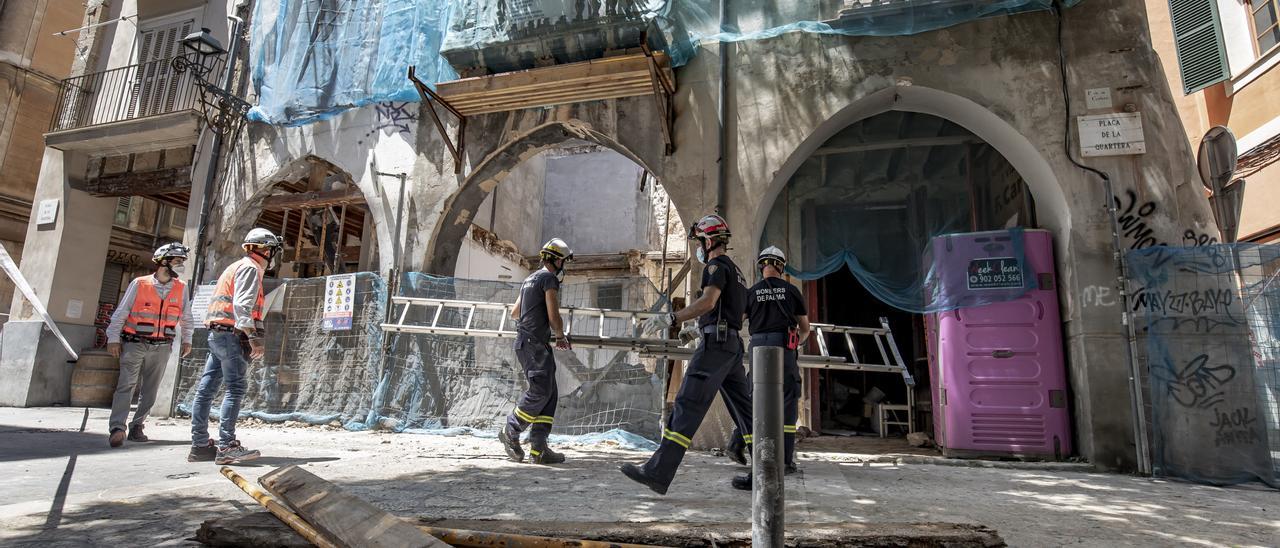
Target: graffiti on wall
(393, 117)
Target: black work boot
(117, 438)
(511, 444)
(205, 453)
(743, 481)
(135, 434)
(544, 455)
(737, 451)
(636, 474)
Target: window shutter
(1197, 33)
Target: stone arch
(460, 208)
(240, 219)
(1052, 208)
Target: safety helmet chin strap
(716, 243)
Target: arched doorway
(321, 214)
(623, 168)
(563, 180)
(857, 211)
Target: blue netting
(909, 222)
(1212, 353)
(311, 59)
(364, 378)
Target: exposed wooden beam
(312, 254)
(145, 183)
(305, 200)
(598, 79)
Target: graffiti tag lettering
(1197, 385)
(1191, 238)
(1195, 303)
(1133, 224)
(1099, 295)
(1234, 428)
(1195, 325)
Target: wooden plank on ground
(343, 518)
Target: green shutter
(1197, 33)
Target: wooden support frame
(308, 200)
(664, 91)
(457, 145)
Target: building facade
(34, 58)
(981, 105)
(1220, 57)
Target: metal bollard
(767, 496)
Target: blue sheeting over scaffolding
(313, 59)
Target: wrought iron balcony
(137, 91)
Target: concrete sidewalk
(60, 486)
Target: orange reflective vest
(152, 317)
(221, 307)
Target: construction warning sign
(339, 302)
(200, 303)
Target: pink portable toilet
(998, 377)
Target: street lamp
(223, 111)
(203, 43)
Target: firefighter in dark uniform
(716, 365)
(776, 317)
(537, 314)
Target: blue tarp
(312, 59)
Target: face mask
(701, 254)
(559, 272)
(177, 269)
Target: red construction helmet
(711, 227)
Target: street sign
(1216, 160)
(1116, 134)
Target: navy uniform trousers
(537, 406)
(790, 392)
(714, 367)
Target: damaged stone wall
(999, 78)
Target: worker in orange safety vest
(141, 335)
(234, 320)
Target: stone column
(63, 261)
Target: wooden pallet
(605, 78)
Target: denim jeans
(228, 362)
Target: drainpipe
(722, 178)
(215, 155)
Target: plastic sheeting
(867, 202)
(686, 24)
(311, 59)
(1212, 329)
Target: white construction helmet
(772, 256)
(169, 251)
(262, 237)
(556, 248)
